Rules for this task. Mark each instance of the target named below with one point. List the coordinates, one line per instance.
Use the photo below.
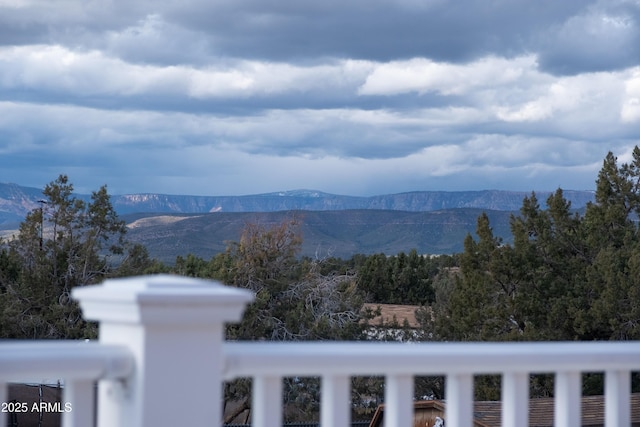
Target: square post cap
(162, 299)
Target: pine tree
(60, 245)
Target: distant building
(391, 312)
(427, 413)
(395, 322)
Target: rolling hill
(337, 233)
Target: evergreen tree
(614, 241)
(481, 305)
(62, 244)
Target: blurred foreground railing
(80, 363)
(162, 361)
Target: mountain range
(308, 200)
(429, 221)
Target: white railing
(162, 360)
(336, 362)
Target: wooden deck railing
(162, 360)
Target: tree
(477, 305)
(614, 243)
(60, 245)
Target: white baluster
(617, 391)
(77, 403)
(515, 399)
(4, 397)
(398, 399)
(335, 401)
(568, 390)
(267, 405)
(459, 394)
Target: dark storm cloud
(569, 36)
(290, 30)
(379, 30)
(604, 36)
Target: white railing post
(174, 327)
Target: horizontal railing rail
(79, 364)
(433, 358)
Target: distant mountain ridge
(416, 201)
(16, 201)
(432, 222)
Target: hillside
(15, 202)
(337, 233)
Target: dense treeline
(566, 276)
(404, 278)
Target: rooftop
(488, 413)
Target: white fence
(162, 346)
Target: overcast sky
(358, 97)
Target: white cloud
(529, 112)
(15, 4)
(422, 75)
(253, 78)
(580, 105)
(513, 89)
(59, 69)
(630, 111)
